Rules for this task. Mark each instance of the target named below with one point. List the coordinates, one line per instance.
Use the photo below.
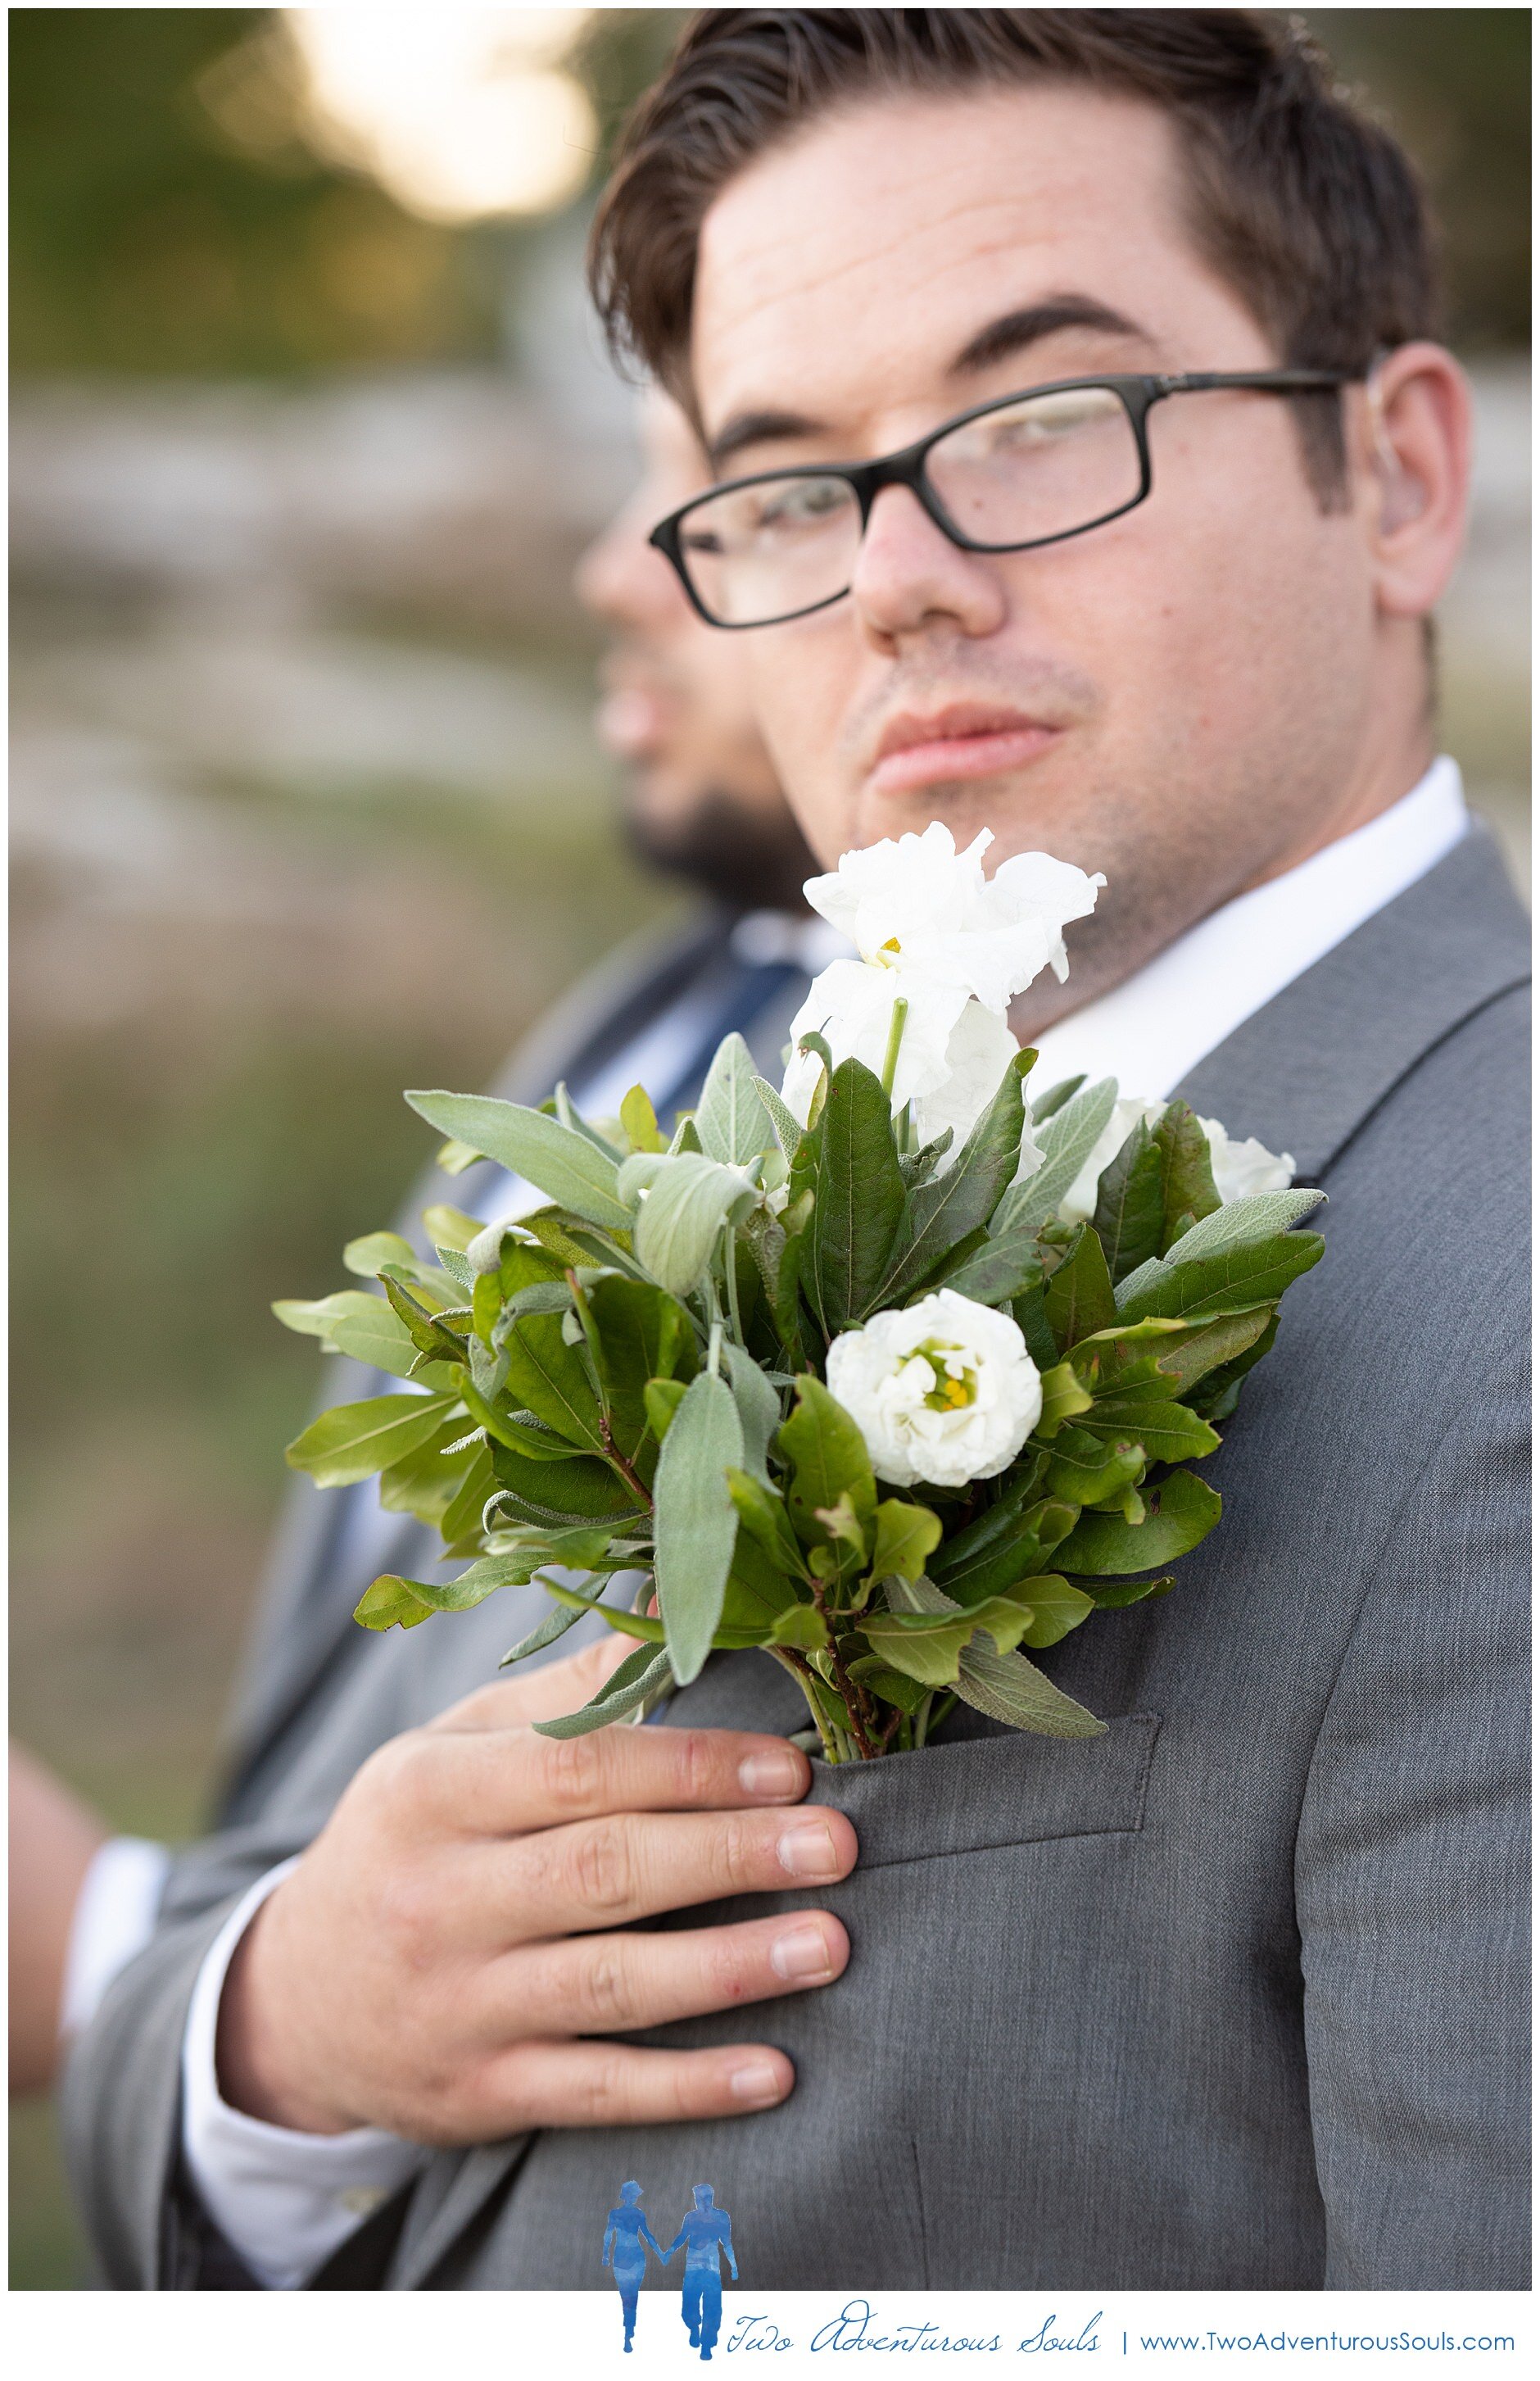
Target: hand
(442, 1957)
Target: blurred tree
(1455, 84)
(166, 216)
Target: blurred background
(309, 425)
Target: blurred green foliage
(166, 217)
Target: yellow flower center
(952, 1391)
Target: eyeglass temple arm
(1177, 383)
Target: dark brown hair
(1306, 206)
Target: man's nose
(623, 580)
(909, 576)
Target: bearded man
(1087, 470)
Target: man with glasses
(1086, 469)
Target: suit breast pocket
(992, 1791)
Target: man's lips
(966, 740)
(631, 722)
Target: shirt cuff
(113, 1920)
(283, 2201)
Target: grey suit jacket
(1231, 1997)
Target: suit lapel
(1309, 1069)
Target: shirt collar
(1152, 1031)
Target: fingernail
(772, 1777)
(808, 1851)
(757, 2082)
(801, 1956)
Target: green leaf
(762, 1512)
(639, 1122)
(1129, 1213)
(1003, 1269)
(1078, 1298)
(568, 1167)
(555, 1624)
(800, 1625)
(316, 1317)
(930, 1646)
(788, 1132)
(1006, 1687)
(1066, 1140)
(456, 1157)
(390, 1602)
(1162, 1350)
(1030, 1316)
(696, 1522)
(1257, 1218)
(1083, 1469)
(450, 1228)
(627, 1624)
(1063, 1396)
(732, 1121)
(1168, 1433)
(663, 1401)
(938, 1214)
(860, 1198)
(463, 1517)
(426, 1483)
(1115, 1595)
(642, 1674)
(350, 1443)
(758, 1406)
(376, 1249)
(1179, 1514)
(1188, 1190)
(567, 1493)
(827, 1458)
(1215, 1396)
(684, 1202)
(425, 1333)
(906, 1536)
(1058, 1095)
(643, 1335)
(551, 1378)
(393, 1602)
(1057, 1608)
(1010, 1541)
(1226, 1281)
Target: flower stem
(895, 1037)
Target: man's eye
(802, 504)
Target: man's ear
(1412, 434)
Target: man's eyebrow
(1025, 324)
(754, 429)
(1005, 336)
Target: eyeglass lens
(1040, 466)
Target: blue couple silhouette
(704, 2235)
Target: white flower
(943, 1390)
(956, 948)
(924, 909)
(1241, 1168)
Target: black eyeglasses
(1028, 469)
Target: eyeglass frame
(905, 468)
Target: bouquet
(888, 1371)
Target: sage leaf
(696, 1522)
(576, 1172)
(788, 1132)
(1066, 1140)
(641, 1676)
(732, 1121)
(1225, 1280)
(1257, 1218)
(682, 1204)
(758, 1406)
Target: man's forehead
(871, 250)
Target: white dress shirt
(286, 2199)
